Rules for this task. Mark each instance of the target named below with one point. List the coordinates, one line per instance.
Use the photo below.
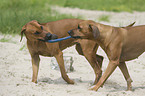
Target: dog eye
(36, 33)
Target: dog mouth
(71, 33)
(49, 36)
(43, 40)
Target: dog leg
(99, 60)
(110, 69)
(124, 70)
(92, 58)
(59, 58)
(35, 67)
(95, 66)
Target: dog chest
(44, 49)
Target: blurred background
(16, 13)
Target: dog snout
(54, 36)
(48, 36)
(70, 33)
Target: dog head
(86, 30)
(34, 31)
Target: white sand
(16, 69)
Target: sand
(16, 68)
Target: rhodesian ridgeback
(36, 33)
(120, 45)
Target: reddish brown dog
(34, 32)
(120, 45)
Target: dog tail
(131, 24)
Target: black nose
(70, 33)
(54, 36)
(48, 36)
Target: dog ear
(95, 31)
(22, 32)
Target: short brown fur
(120, 45)
(86, 48)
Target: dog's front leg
(59, 58)
(35, 66)
(111, 67)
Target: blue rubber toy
(60, 39)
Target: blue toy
(60, 39)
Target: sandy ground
(16, 69)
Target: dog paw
(34, 81)
(93, 88)
(129, 89)
(71, 82)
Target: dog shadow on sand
(110, 85)
(114, 86)
(61, 81)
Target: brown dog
(34, 32)
(120, 45)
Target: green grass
(23, 47)
(16, 13)
(4, 40)
(104, 18)
(107, 5)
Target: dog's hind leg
(94, 59)
(124, 70)
(91, 57)
(59, 58)
(99, 58)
